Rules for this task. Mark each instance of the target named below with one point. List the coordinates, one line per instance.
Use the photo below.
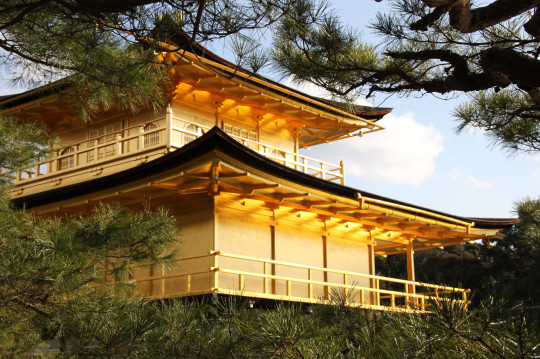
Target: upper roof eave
(22, 98)
(366, 114)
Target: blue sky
(419, 158)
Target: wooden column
(215, 243)
(169, 126)
(296, 137)
(259, 119)
(325, 265)
(218, 105)
(372, 271)
(273, 256)
(410, 268)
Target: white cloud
(476, 183)
(405, 152)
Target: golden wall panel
(243, 232)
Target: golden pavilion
(256, 218)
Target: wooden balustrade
(353, 294)
(136, 139)
(311, 166)
(95, 151)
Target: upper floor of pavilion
(275, 120)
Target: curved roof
(182, 41)
(366, 112)
(216, 139)
(13, 100)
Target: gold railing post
(310, 286)
(96, 150)
(216, 272)
(265, 279)
(378, 293)
(407, 297)
(241, 282)
(76, 156)
(119, 146)
(344, 288)
(141, 138)
(289, 288)
(169, 126)
(411, 276)
(162, 273)
(326, 288)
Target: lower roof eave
(218, 140)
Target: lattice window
(152, 138)
(101, 135)
(66, 160)
(188, 137)
(242, 133)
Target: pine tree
(114, 52)
(58, 271)
(488, 50)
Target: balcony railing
(311, 166)
(96, 151)
(300, 283)
(156, 134)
